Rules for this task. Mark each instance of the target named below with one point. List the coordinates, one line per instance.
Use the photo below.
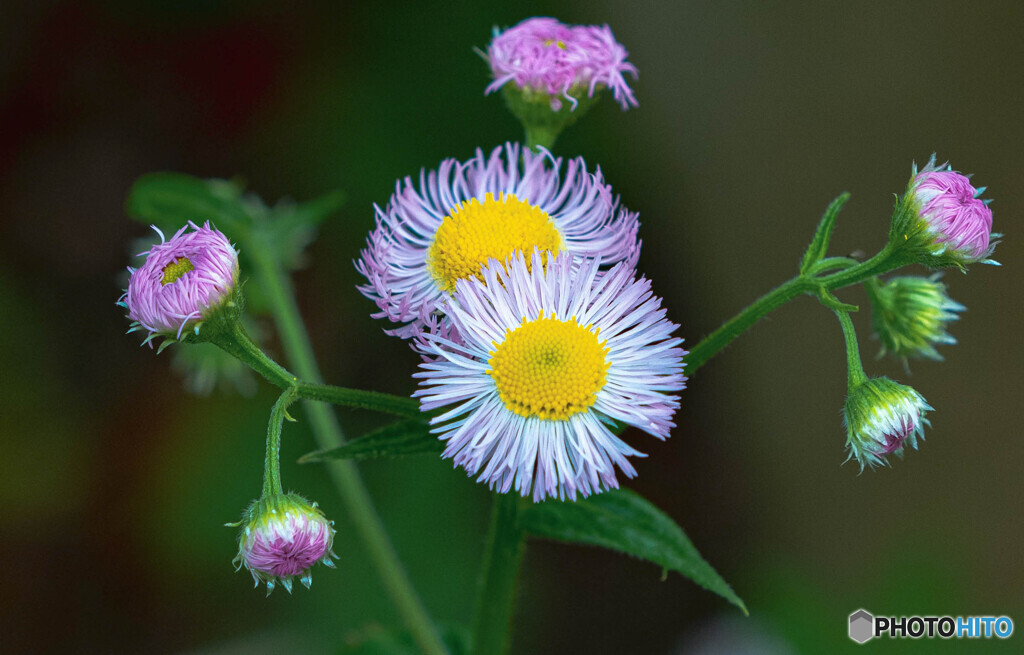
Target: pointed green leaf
(625, 521)
(170, 200)
(409, 437)
(822, 236)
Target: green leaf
(625, 521)
(822, 236)
(408, 437)
(170, 200)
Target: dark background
(752, 117)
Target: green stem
(360, 399)
(496, 595)
(737, 325)
(276, 284)
(886, 260)
(238, 343)
(854, 367)
(272, 463)
(235, 341)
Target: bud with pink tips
(182, 282)
(941, 219)
(882, 418)
(551, 73)
(282, 537)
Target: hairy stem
(272, 463)
(886, 260)
(854, 366)
(712, 344)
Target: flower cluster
(518, 287)
(513, 275)
(544, 56)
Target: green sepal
(624, 521)
(542, 123)
(408, 437)
(823, 235)
(218, 320)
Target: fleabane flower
(910, 315)
(183, 280)
(281, 538)
(543, 57)
(549, 359)
(464, 214)
(882, 417)
(942, 220)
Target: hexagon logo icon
(862, 626)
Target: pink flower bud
(283, 537)
(942, 219)
(182, 280)
(543, 55)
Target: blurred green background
(752, 117)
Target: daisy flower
(466, 213)
(549, 359)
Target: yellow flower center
(549, 368)
(559, 43)
(476, 232)
(174, 270)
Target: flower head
(943, 219)
(548, 361)
(465, 214)
(182, 281)
(543, 56)
(910, 315)
(882, 417)
(282, 537)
